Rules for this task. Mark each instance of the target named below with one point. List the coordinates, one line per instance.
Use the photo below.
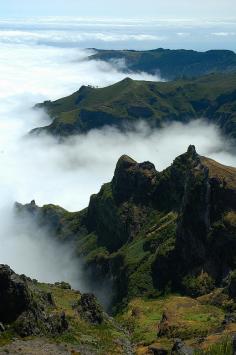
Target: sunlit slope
(127, 102)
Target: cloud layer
(149, 33)
(67, 174)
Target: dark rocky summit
(181, 222)
(156, 234)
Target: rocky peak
(31, 207)
(191, 150)
(132, 179)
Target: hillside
(123, 104)
(171, 64)
(167, 240)
(53, 319)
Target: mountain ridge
(127, 102)
(166, 240)
(195, 196)
(170, 64)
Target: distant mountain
(123, 104)
(171, 64)
(155, 234)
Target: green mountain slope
(212, 97)
(171, 64)
(155, 231)
(156, 235)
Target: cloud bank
(67, 174)
(118, 33)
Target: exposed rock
(156, 350)
(232, 285)
(164, 326)
(25, 308)
(133, 180)
(15, 297)
(2, 328)
(180, 348)
(184, 218)
(63, 285)
(57, 323)
(38, 321)
(90, 309)
(229, 318)
(194, 219)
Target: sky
(121, 8)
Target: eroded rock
(180, 348)
(90, 309)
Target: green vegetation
(212, 97)
(165, 239)
(187, 318)
(140, 231)
(171, 64)
(222, 348)
(105, 338)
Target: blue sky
(118, 8)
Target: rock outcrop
(153, 231)
(26, 309)
(133, 180)
(15, 296)
(180, 348)
(90, 309)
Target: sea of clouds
(149, 33)
(67, 174)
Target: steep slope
(171, 64)
(155, 231)
(156, 234)
(127, 102)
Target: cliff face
(156, 231)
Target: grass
(224, 173)
(187, 318)
(172, 63)
(105, 338)
(222, 348)
(129, 100)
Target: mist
(67, 174)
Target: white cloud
(72, 38)
(224, 34)
(41, 169)
(183, 34)
(67, 174)
(133, 33)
